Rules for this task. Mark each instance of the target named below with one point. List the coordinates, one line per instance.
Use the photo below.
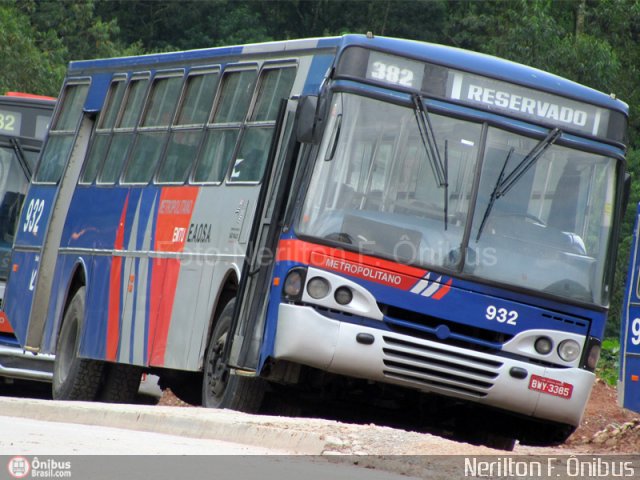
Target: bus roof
(29, 95)
(26, 99)
(452, 57)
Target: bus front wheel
(74, 378)
(220, 389)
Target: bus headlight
(343, 295)
(318, 288)
(293, 283)
(543, 345)
(569, 350)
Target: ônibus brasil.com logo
(19, 467)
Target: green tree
(75, 26)
(38, 38)
(539, 33)
(176, 25)
(25, 66)
(182, 25)
(594, 42)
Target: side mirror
(307, 119)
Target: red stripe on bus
(442, 291)
(115, 290)
(174, 215)
(5, 326)
(300, 251)
(365, 272)
(28, 95)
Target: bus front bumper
(307, 337)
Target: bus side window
(198, 99)
(58, 148)
(153, 132)
(144, 157)
(181, 151)
(133, 103)
(101, 139)
(116, 156)
(122, 136)
(252, 156)
(162, 102)
(94, 159)
(187, 131)
(215, 155)
(231, 110)
(114, 103)
(236, 94)
(275, 84)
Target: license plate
(550, 386)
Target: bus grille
(418, 325)
(438, 368)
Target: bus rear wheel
(220, 389)
(121, 383)
(74, 378)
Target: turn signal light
(543, 345)
(293, 283)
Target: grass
(609, 362)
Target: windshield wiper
(22, 158)
(440, 168)
(494, 194)
(504, 184)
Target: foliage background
(594, 42)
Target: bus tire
(220, 389)
(121, 383)
(500, 442)
(545, 434)
(74, 378)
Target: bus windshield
(13, 184)
(376, 189)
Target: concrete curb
(226, 425)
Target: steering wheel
(527, 215)
(341, 237)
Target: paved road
(35, 437)
(42, 442)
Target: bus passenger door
(252, 298)
(629, 376)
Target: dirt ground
(606, 428)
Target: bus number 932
(34, 213)
(501, 315)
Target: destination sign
(527, 103)
(478, 91)
(24, 123)
(396, 70)
(10, 122)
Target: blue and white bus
(418, 219)
(629, 371)
(24, 120)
